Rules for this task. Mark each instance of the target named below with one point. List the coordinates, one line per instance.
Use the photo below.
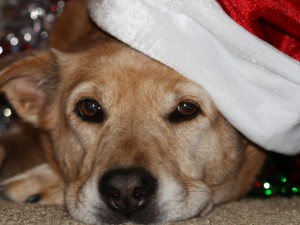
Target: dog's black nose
(127, 190)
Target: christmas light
(283, 179)
(280, 176)
(7, 112)
(283, 190)
(295, 190)
(267, 185)
(268, 192)
(27, 24)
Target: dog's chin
(172, 202)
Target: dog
(125, 137)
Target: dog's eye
(185, 111)
(89, 110)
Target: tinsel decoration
(25, 24)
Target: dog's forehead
(125, 73)
(118, 75)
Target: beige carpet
(275, 211)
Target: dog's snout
(127, 190)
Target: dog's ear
(27, 80)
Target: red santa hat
(254, 85)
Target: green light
(283, 179)
(268, 192)
(295, 190)
(283, 190)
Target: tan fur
(21, 150)
(198, 163)
(33, 181)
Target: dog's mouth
(135, 195)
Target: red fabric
(275, 21)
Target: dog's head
(133, 139)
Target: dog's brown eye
(185, 111)
(89, 110)
(187, 108)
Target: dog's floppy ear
(26, 79)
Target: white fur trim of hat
(255, 86)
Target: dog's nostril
(126, 202)
(138, 193)
(127, 190)
(115, 194)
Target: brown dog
(131, 139)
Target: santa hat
(254, 85)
